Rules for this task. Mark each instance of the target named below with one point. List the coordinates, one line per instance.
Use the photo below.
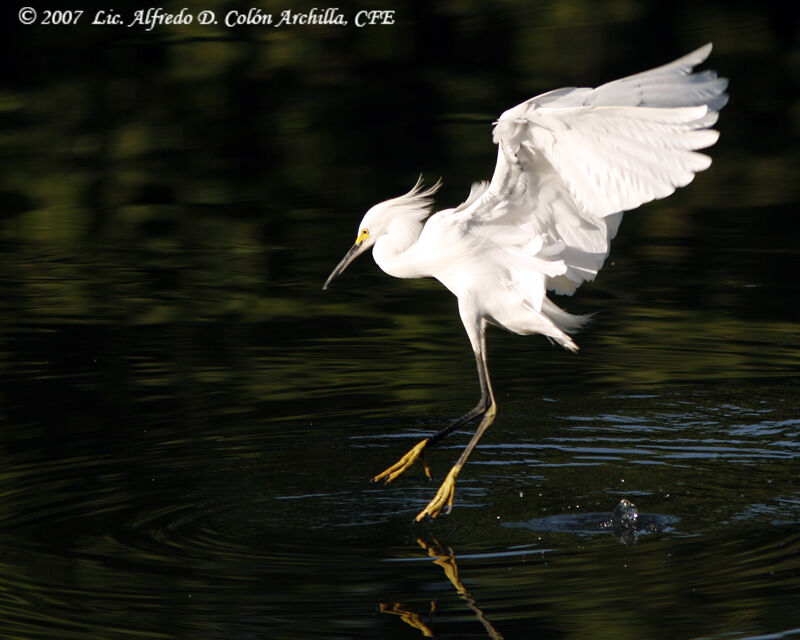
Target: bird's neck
(393, 251)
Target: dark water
(189, 424)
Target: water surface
(189, 425)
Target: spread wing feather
(570, 161)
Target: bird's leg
(444, 497)
(404, 463)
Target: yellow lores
(363, 235)
(569, 163)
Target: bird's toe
(443, 498)
(403, 464)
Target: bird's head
(371, 228)
(412, 206)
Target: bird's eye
(362, 235)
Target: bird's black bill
(355, 251)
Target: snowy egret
(569, 163)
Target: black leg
(444, 497)
(487, 399)
(485, 404)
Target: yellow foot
(403, 463)
(443, 497)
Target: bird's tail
(567, 322)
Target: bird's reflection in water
(446, 559)
(411, 618)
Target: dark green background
(188, 424)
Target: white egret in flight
(569, 163)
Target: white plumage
(569, 163)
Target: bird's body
(496, 269)
(569, 163)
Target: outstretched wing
(570, 161)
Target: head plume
(417, 203)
